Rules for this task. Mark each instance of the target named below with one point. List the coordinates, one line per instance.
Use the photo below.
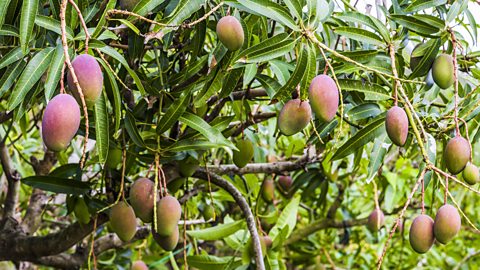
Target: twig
(400, 217)
(82, 22)
(63, 25)
(455, 77)
(454, 179)
(468, 257)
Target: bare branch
(13, 178)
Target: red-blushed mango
(141, 198)
(169, 212)
(375, 220)
(230, 33)
(442, 71)
(324, 97)
(60, 122)
(90, 78)
(471, 174)
(421, 234)
(139, 265)
(128, 4)
(169, 242)
(244, 154)
(123, 221)
(447, 223)
(396, 124)
(285, 182)
(294, 117)
(268, 190)
(456, 154)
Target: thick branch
(12, 179)
(242, 203)
(257, 118)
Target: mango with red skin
(139, 265)
(421, 234)
(294, 117)
(447, 223)
(230, 33)
(456, 154)
(375, 220)
(324, 97)
(141, 198)
(60, 122)
(89, 76)
(169, 212)
(396, 124)
(123, 221)
(168, 243)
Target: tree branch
(13, 178)
(242, 203)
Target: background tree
(239, 134)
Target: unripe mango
(268, 190)
(294, 117)
(285, 182)
(421, 234)
(60, 122)
(375, 220)
(81, 211)
(396, 124)
(90, 78)
(168, 243)
(471, 174)
(139, 265)
(188, 166)
(169, 212)
(123, 221)
(230, 33)
(141, 198)
(245, 154)
(114, 157)
(208, 212)
(442, 71)
(447, 223)
(457, 154)
(324, 97)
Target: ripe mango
(442, 71)
(421, 234)
(169, 212)
(375, 220)
(123, 221)
(447, 223)
(168, 243)
(139, 265)
(141, 198)
(60, 122)
(396, 124)
(285, 182)
(230, 33)
(294, 117)
(456, 154)
(90, 78)
(323, 96)
(245, 154)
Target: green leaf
(52, 25)
(271, 10)
(231, 81)
(103, 19)
(145, 6)
(54, 72)
(129, 25)
(212, 134)
(295, 8)
(310, 72)
(360, 35)
(117, 56)
(268, 49)
(428, 57)
(377, 155)
(211, 86)
(57, 185)
(473, 24)
(367, 20)
(372, 91)
(27, 20)
(101, 128)
(288, 217)
(418, 5)
(455, 9)
(362, 137)
(173, 113)
(415, 25)
(3, 11)
(364, 111)
(9, 30)
(209, 262)
(183, 10)
(431, 20)
(117, 101)
(130, 125)
(10, 75)
(30, 76)
(297, 75)
(217, 232)
(193, 144)
(11, 57)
